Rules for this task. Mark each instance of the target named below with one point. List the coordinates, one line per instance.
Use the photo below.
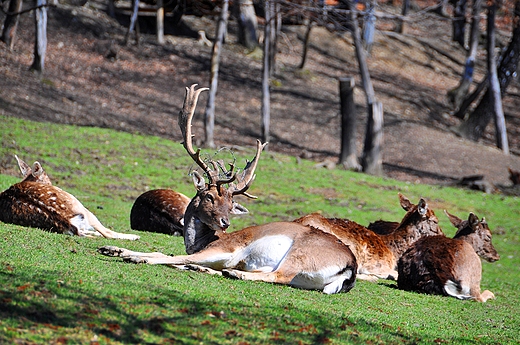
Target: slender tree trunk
(310, 24)
(457, 95)
(361, 58)
(266, 102)
(494, 85)
(160, 22)
(209, 115)
(40, 39)
(11, 23)
(134, 23)
(459, 22)
(475, 124)
(404, 12)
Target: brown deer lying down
(159, 210)
(280, 252)
(35, 202)
(377, 255)
(449, 266)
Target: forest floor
(92, 79)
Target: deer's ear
(37, 170)
(24, 167)
(405, 203)
(473, 220)
(238, 209)
(198, 181)
(453, 219)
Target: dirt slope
(141, 90)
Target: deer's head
(420, 217)
(207, 215)
(476, 232)
(34, 174)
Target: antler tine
(248, 175)
(185, 117)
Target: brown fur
(35, 202)
(159, 210)
(383, 227)
(377, 255)
(449, 266)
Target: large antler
(185, 117)
(248, 174)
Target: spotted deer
(35, 202)
(280, 252)
(159, 210)
(377, 255)
(449, 266)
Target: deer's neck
(407, 233)
(197, 235)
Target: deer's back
(159, 210)
(432, 261)
(38, 205)
(368, 247)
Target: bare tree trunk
(457, 95)
(310, 24)
(209, 115)
(276, 24)
(11, 23)
(404, 12)
(459, 22)
(372, 160)
(134, 22)
(160, 22)
(473, 127)
(494, 85)
(348, 155)
(266, 102)
(361, 58)
(40, 39)
(247, 23)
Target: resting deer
(377, 255)
(159, 210)
(35, 202)
(280, 252)
(449, 266)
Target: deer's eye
(209, 198)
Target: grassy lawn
(56, 289)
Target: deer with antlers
(376, 254)
(36, 203)
(280, 252)
(449, 266)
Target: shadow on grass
(43, 304)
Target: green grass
(58, 289)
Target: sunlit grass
(57, 289)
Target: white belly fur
(263, 255)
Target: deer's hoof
(233, 274)
(110, 250)
(135, 260)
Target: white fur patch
(453, 289)
(325, 279)
(263, 255)
(83, 226)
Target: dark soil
(91, 79)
